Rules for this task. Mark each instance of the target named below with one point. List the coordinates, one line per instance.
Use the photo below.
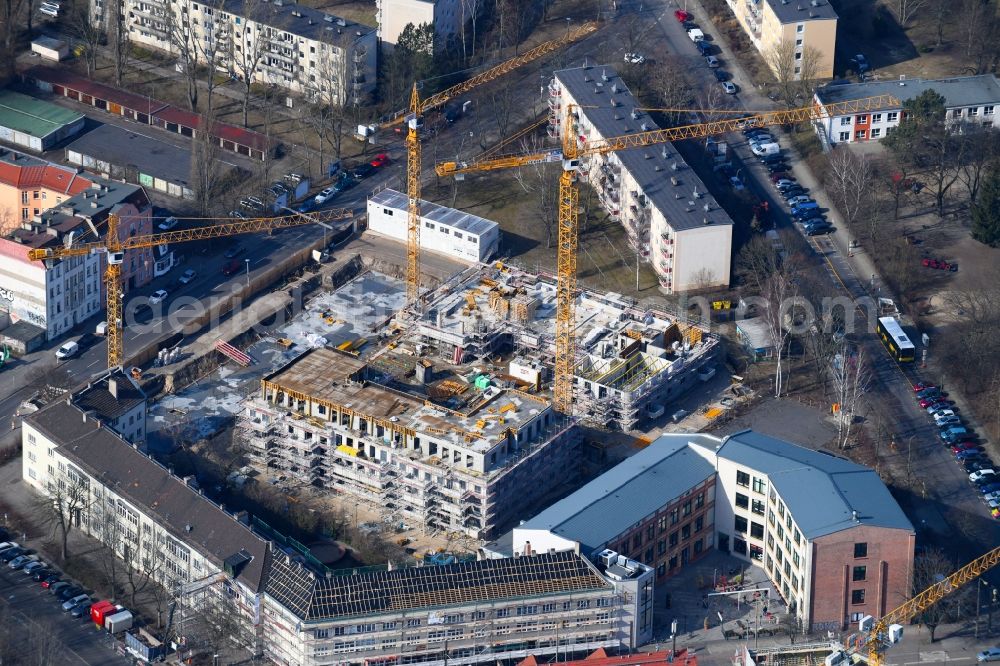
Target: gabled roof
(190, 517)
(625, 494)
(822, 491)
(959, 91)
(314, 597)
(25, 172)
(110, 396)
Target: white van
(68, 350)
(762, 149)
(696, 35)
(102, 328)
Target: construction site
(444, 420)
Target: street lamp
(248, 272)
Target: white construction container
(50, 49)
(445, 230)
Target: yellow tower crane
(878, 636)
(573, 150)
(114, 250)
(419, 107)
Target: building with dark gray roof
(115, 400)
(799, 514)
(671, 219)
(972, 100)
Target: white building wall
(698, 261)
(843, 129)
(435, 236)
(446, 16)
(542, 541)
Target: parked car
(681, 15)
(993, 495)
(977, 462)
(11, 553)
(729, 87)
(953, 434)
(803, 208)
(234, 251)
(57, 587)
(380, 161)
(979, 474)
(819, 229)
(50, 579)
(324, 195)
(635, 58)
(7, 545)
(989, 487)
(860, 63)
(712, 61)
(929, 392)
(237, 214)
(784, 184)
(779, 176)
(32, 567)
(168, 224)
(775, 159)
(71, 603)
(940, 409)
(776, 166)
(38, 575)
(944, 421)
(798, 199)
(81, 609)
(188, 276)
(306, 205)
(69, 592)
(232, 267)
(362, 171)
(68, 350)
(21, 561)
(704, 48)
(793, 193)
(158, 296)
(935, 405)
(989, 654)
(720, 75)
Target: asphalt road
(28, 604)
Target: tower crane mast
(570, 154)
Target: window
(675, 515)
(788, 522)
(857, 596)
(893, 116)
(798, 42)
(988, 110)
(798, 56)
(686, 531)
(860, 550)
(758, 507)
(861, 119)
(699, 501)
(429, 225)
(798, 536)
(770, 541)
(661, 547)
(973, 111)
(740, 525)
(637, 541)
(673, 538)
(742, 479)
(876, 118)
(860, 134)
(757, 530)
(742, 501)
(687, 508)
(699, 523)
(800, 28)
(845, 121)
(876, 133)
(859, 573)
(759, 485)
(956, 113)
(649, 533)
(781, 509)
(796, 560)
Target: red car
(380, 160)
(965, 446)
(920, 386)
(781, 175)
(927, 402)
(681, 15)
(939, 264)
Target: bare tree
(471, 13)
(87, 32)
(247, 52)
(981, 149)
(12, 16)
(670, 86)
(184, 40)
(214, 47)
(205, 172)
(794, 71)
(66, 504)
(119, 39)
(907, 9)
(114, 536)
(542, 181)
(928, 569)
(851, 380)
(850, 181)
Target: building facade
(470, 469)
(30, 186)
(444, 230)
(446, 16)
(57, 295)
(277, 42)
(657, 507)
(834, 543)
(474, 613)
(772, 25)
(969, 100)
(672, 221)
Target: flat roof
(756, 332)
(312, 597)
(624, 495)
(959, 91)
(125, 147)
(181, 510)
(822, 491)
(594, 88)
(33, 116)
(451, 217)
(800, 11)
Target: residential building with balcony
(58, 294)
(969, 100)
(803, 23)
(323, 420)
(672, 221)
(294, 47)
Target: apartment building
(657, 507)
(468, 464)
(446, 16)
(672, 221)
(57, 295)
(834, 543)
(480, 612)
(29, 186)
(158, 524)
(968, 99)
(117, 401)
(276, 42)
(805, 23)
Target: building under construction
(447, 424)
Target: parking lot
(27, 604)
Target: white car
(989, 654)
(635, 58)
(68, 350)
(980, 473)
(323, 196)
(736, 183)
(158, 296)
(989, 497)
(188, 275)
(168, 224)
(941, 411)
(729, 87)
(795, 201)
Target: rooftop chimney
(113, 387)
